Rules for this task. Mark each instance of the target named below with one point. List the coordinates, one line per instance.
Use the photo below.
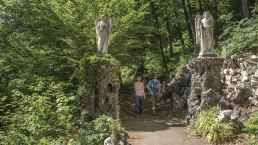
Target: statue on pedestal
(204, 34)
(103, 31)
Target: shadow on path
(166, 127)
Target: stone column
(107, 94)
(206, 86)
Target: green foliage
(93, 69)
(128, 73)
(251, 127)
(97, 131)
(47, 113)
(182, 63)
(152, 64)
(206, 125)
(49, 66)
(240, 37)
(44, 43)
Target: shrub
(206, 125)
(251, 127)
(97, 131)
(43, 116)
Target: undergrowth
(251, 127)
(214, 131)
(97, 131)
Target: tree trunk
(179, 30)
(216, 6)
(191, 21)
(200, 7)
(188, 22)
(246, 8)
(170, 38)
(155, 17)
(166, 47)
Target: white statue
(103, 31)
(204, 34)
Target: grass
(214, 131)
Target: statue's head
(102, 17)
(205, 14)
(102, 25)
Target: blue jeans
(138, 105)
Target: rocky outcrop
(230, 83)
(107, 94)
(100, 91)
(104, 99)
(206, 86)
(240, 76)
(177, 91)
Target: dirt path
(166, 128)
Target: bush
(46, 114)
(206, 125)
(97, 131)
(251, 127)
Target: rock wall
(240, 78)
(231, 83)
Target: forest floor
(166, 128)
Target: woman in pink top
(139, 96)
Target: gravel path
(166, 128)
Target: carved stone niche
(206, 86)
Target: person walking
(139, 96)
(154, 91)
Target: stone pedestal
(104, 98)
(207, 54)
(107, 94)
(206, 86)
(100, 90)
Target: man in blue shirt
(154, 90)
